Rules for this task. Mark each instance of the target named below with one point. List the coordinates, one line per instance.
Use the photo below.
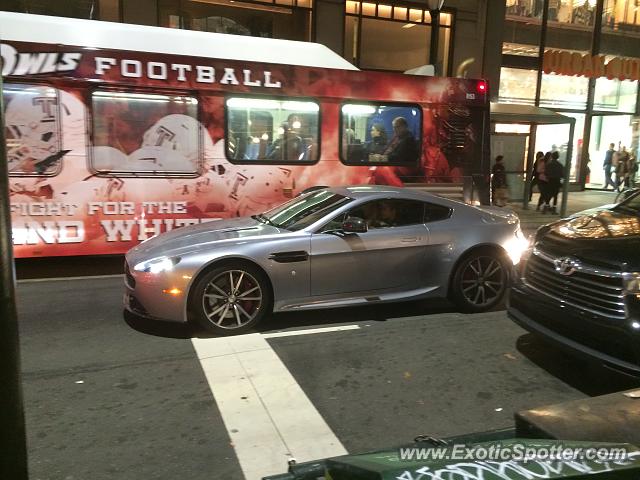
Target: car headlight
(517, 245)
(157, 265)
(631, 283)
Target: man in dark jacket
(403, 147)
(555, 173)
(607, 164)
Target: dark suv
(579, 284)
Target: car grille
(130, 281)
(588, 288)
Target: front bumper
(146, 295)
(613, 342)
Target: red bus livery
(115, 133)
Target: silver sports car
(328, 248)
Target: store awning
(514, 113)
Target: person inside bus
(403, 147)
(378, 143)
(289, 147)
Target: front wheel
(231, 299)
(480, 281)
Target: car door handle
(409, 239)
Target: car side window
(390, 212)
(434, 213)
(335, 224)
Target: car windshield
(301, 212)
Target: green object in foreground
(503, 459)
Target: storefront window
(552, 138)
(578, 13)
(517, 85)
(562, 91)
(622, 16)
(620, 28)
(393, 37)
(522, 27)
(389, 46)
(605, 130)
(285, 19)
(615, 95)
(525, 9)
(570, 24)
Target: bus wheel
(480, 281)
(231, 299)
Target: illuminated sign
(573, 63)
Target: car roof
(377, 191)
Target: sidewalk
(576, 201)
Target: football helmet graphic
(35, 117)
(174, 142)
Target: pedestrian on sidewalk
(555, 173)
(543, 184)
(534, 174)
(499, 182)
(632, 167)
(607, 165)
(621, 169)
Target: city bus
(115, 133)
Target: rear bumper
(612, 343)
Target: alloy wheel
(232, 299)
(483, 281)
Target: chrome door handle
(409, 239)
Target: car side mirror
(354, 225)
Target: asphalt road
(112, 399)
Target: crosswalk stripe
(268, 416)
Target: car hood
(185, 239)
(600, 237)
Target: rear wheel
(480, 281)
(231, 299)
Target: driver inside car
(386, 215)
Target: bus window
(135, 133)
(374, 134)
(32, 129)
(271, 131)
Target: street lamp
(434, 9)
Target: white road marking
(58, 279)
(267, 415)
(309, 331)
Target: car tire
(230, 299)
(480, 281)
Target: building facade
(580, 58)
(376, 34)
